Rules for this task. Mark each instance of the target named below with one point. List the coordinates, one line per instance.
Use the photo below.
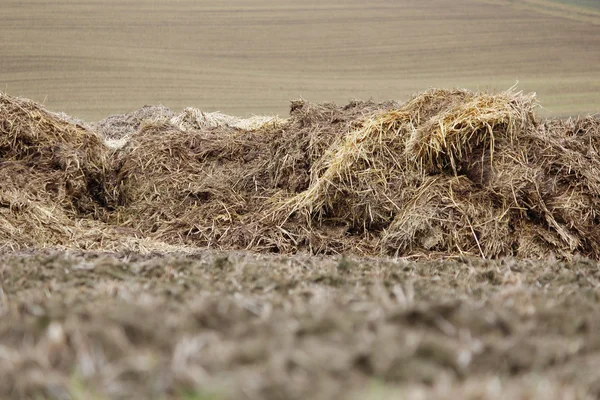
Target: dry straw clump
(189, 190)
(404, 173)
(214, 185)
(52, 176)
(56, 183)
(450, 172)
(458, 172)
(194, 119)
(35, 138)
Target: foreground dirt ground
(210, 325)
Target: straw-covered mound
(52, 175)
(450, 172)
(458, 172)
(56, 183)
(216, 186)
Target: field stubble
(210, 325)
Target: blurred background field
(96, 58)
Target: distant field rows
(93, 59)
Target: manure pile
(450, 172)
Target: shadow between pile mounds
(450, 172)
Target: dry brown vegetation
(450, 172)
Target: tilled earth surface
(211, 325)
(96, 58)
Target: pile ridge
(448, 173)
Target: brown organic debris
(450, 172)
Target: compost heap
(450, 172)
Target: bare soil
(211, 325)
(94, 59)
